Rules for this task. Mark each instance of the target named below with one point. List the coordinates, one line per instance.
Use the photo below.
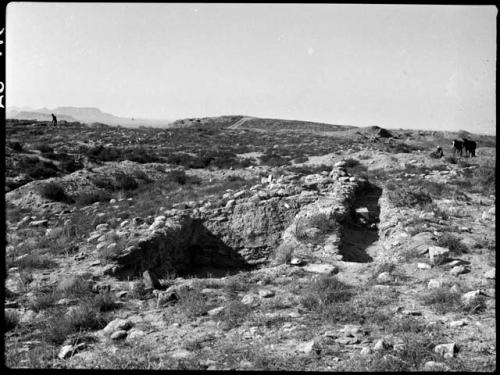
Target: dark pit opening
(359, 232)
(186, 250)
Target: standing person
(54, 120)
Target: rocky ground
(368, 255)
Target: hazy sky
(396, 66)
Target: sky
(395, 66)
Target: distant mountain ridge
(86, 115)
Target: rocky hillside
(223, 247)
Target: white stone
(470, 297)
(490, 274)
(458, 323)
(118, 335)
(363, 211)
(65, 352)
(384, 278)
(306, 347)
(380, 345)
(438, 255)
(455, 271)
(435, 366)
(365, 352)
(424, 266)
(102, 228)
(435, 283)
(446, 350)
(215, 311)
(326, 269)
(250, 299)
(265, 293)
(117, 324)
(181, 354)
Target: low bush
(105, 302)
(140, 155)
(16, 146)
(273, 160)
(43, 301)
(103, 182)
(101, 153)
(125, 182)
(234, 313)
(177, 176)
(453, 243)
(53, 191)
(89, 197)
(71, 165)
(11, 319)
(44, 148)
(324, 291)
(74, 287)
(81, 317)
(442, 300)
(192, 303)
(34, 261)
(402, 196)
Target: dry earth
(238, 243)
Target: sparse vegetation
(304, 323)
(452, 242)
(53, 191)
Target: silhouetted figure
(439, 152)
(457, 146)
(470, 148)
(54, 120)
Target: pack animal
(457, 146)
(470, 148)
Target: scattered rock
(366, 351)
(363, 212)
(65, 352)
(266, 293)
(424, 266)
(306, 347)
(150, 280)
(135, 334)
(381, 344)
(384, 278)
(296, 261)
(435, 366)
(490, 274)
(458, 270)
(326, 269)
(181, 354)
(102, 228)
(117, 325)
(251, 300)
(458, 323)
(470, 297)
(438, 255)
(39, 223)
(118, 335)
(446, 350)
(215, 311)
(435, 283)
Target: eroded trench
(360, 230)
(221, 246)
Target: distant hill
(86, 115)
(256, 123)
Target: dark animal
(470, 147)
(54, 120)
(457, 146)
